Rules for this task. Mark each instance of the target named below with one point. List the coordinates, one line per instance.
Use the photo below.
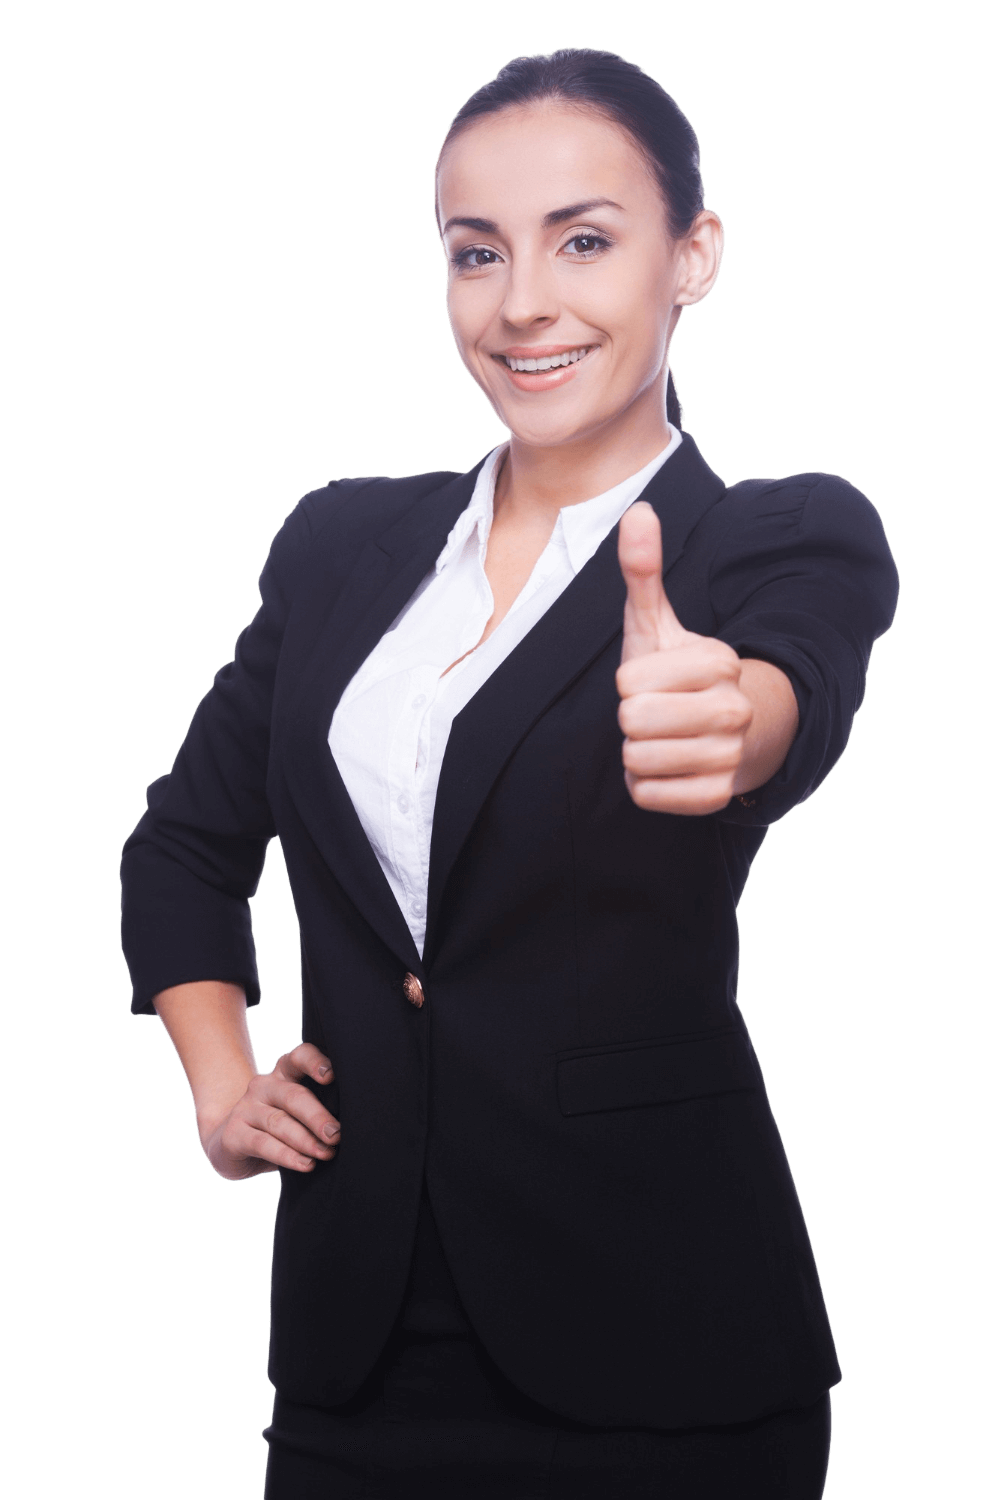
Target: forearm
(774, 721)
(207, 1023)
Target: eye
(586, 245)
(474, 258)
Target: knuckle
(630, 757)
(273, 1120)
(717, 794)
(727, 757)
(700, 804)
(734, 715)
(633, 715)
(645, 794)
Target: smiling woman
(521, 732)
(604, 265)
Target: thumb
(650, 623)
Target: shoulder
(367, 505)
(819, 511)
(812, 500)
(346, 513)
(803, 535)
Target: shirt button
(413, 989)
(419, 701)
(403, 802)
(417, 907)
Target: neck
(535, 483)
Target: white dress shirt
(391, 726)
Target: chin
(553, 434)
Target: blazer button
(414, 990)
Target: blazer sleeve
(195, 859)
(804, 578)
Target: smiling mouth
(546, 361)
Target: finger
(266, 1147)
(685, 796)
(649, 623)
(297, 1101)
(701, 662)
(291, 1132)
(706, 755)
(242, 1144)
(640, 560)
(658, 716)
(306, 1061)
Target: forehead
(529, 159)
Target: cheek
(631, 307)
(471, 308)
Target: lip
(542, 381)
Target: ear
(701, 252)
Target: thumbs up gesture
(683, 713)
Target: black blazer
(579, 1086)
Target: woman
(521, 732)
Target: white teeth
(548, 361)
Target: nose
(530, 299)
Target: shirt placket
(409, 844)
(410, 758)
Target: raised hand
(683, 713)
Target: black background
(275, 317)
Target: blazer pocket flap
(656, 1073)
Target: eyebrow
(550, 221)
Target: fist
(683, 714)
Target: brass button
(414, 990)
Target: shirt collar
(479, 513)
(582, 527)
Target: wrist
(211, 1113)
(772, 728)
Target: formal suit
(577, 1088)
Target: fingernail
(331, 1130)
(324, 1070)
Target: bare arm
(207, 1023)
(249, 1122)
(772, 728)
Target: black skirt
(436, 1417)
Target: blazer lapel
(381, 580)
(570, 635)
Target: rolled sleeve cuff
(809, 756)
